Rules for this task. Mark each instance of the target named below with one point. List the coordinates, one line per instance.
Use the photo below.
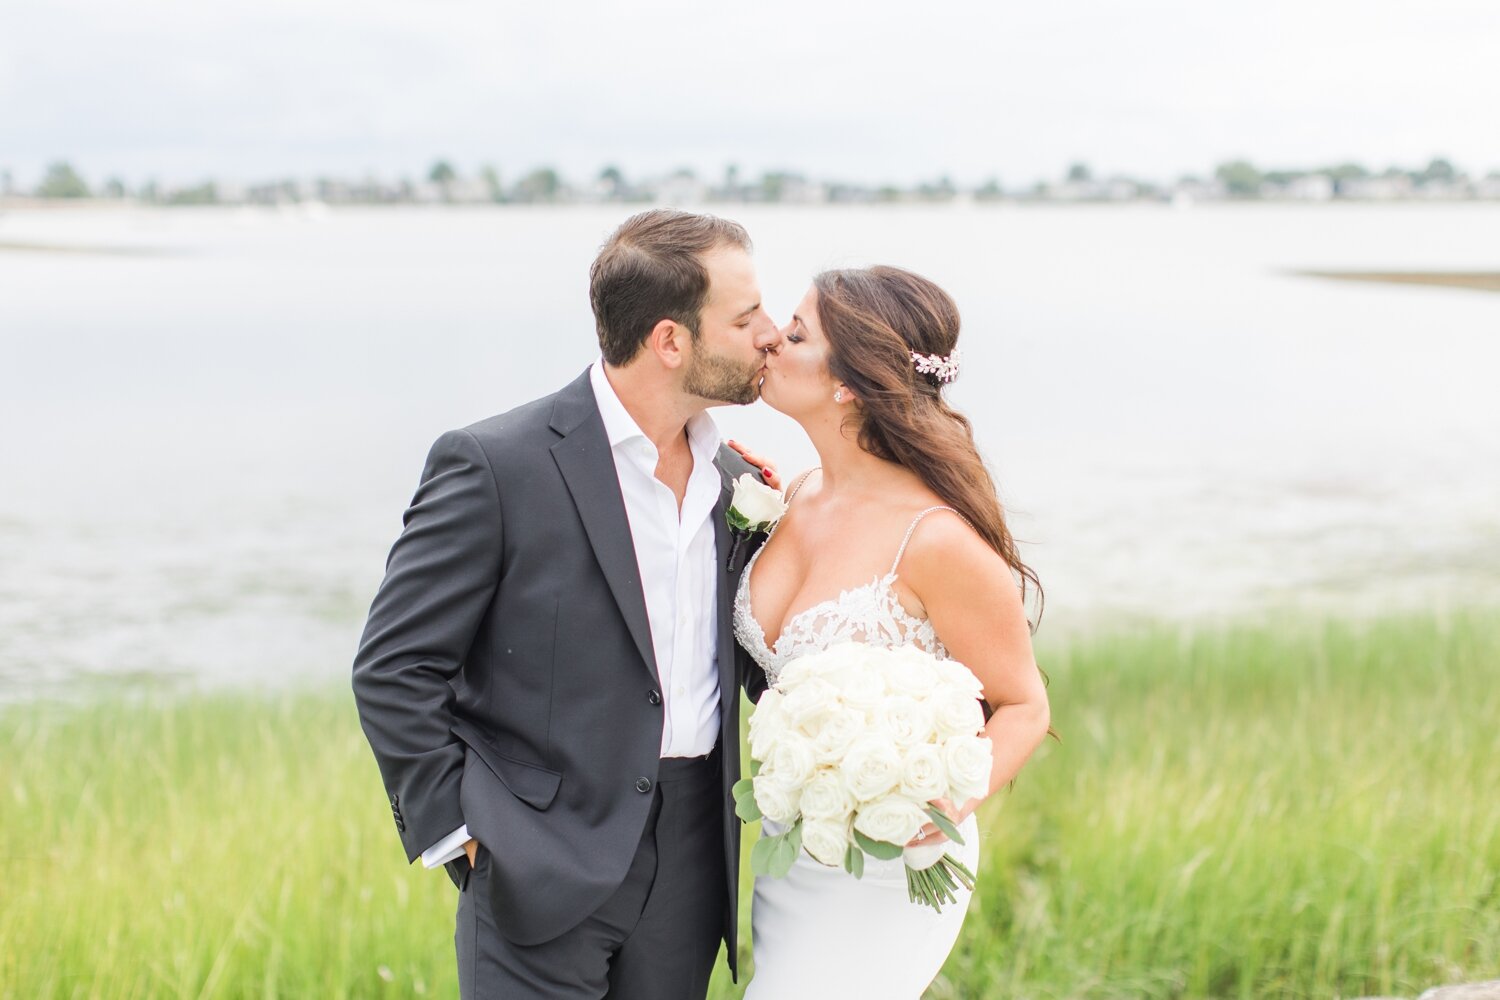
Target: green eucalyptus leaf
(854, 861)
(942, 822)
(760, 855)
(745, 806)
(877, 849)
(782, 857)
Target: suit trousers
(655, 938)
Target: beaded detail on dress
(870, 613)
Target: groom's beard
(720, 378)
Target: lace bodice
(869, 613)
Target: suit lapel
(728, 584)
(587, 465)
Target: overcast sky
(865, 91)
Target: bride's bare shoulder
(943, 541)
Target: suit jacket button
(654, 696)
(643, 785)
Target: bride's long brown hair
(874, 319)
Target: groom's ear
(668, 341)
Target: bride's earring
(838, 396)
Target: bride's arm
(975, 606)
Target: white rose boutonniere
(754, 508)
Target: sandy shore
(16, 246)
(1479, 281)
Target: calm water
(208, 432)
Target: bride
(897, 538)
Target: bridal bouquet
(848, 752)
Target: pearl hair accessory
(946, 369)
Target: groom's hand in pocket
(471, 849)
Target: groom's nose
(767, 337)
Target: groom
(548, 677)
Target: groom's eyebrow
(748, 312)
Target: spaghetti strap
(798, 484)
(787, 500)
(916, 521)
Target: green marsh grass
(1305, 810)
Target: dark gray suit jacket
(506, 677)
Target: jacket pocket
(531, 783)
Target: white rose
(832, 663)
(912, 675)
(838, 732)
(924, 776)
(777, 800)
(871, 768)
(759, 505)
(969, 759)
(792, 759)
(956, 713)
(826, 840)
(861, 686)
(894, 819)
(829, 663)
(767, 725)
(826, 797)
(952, 674)
(770, 702)
(798, 670)
(808, 703)
(906, 720)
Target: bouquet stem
(938, 884)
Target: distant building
(1311, 187)
(1388, 187)
(469, 191)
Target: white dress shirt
(677, 559)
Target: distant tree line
(444, 183)
(1242, 179)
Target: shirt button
(679, 690)
(643, 785)
(654, 697)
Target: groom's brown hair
(651, 269)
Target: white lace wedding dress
(819, 933)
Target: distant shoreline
(22, 205)
(22, 247)
(1479, 281)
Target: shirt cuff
(445, 850)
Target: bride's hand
(767, 470)
(930, 834)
